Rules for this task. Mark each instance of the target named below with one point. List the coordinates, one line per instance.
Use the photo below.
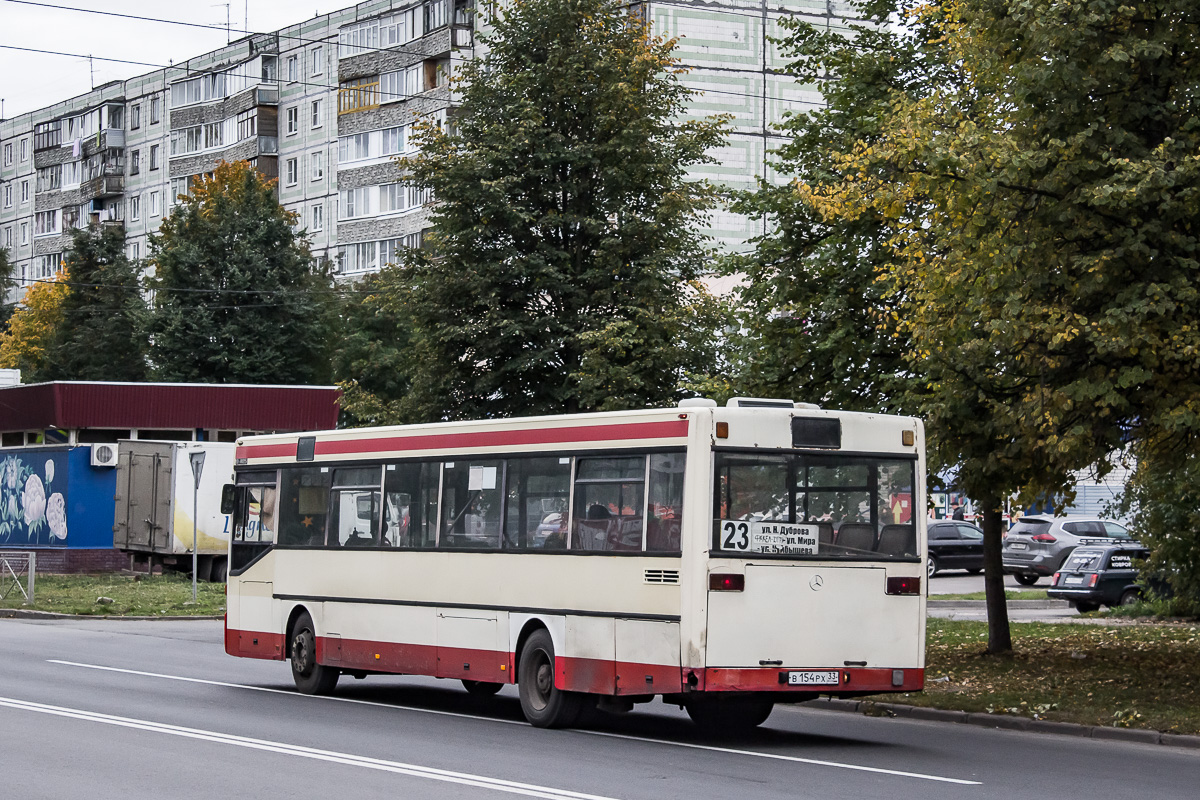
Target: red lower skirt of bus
(832, 680)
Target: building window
(213, 135)
(155, 109)
(24, 150)
(318, 217)
(135, 251)
(293, 68)
(317, 160)
(317, 56)
(8, 237)
(24, 233)
(135, 208)
(155, 207)
(354, 203)
(24, 192)
(355, 147)
(316, 113)
(293, 121)
(8, 196)
(247, 124)
(154, 157)
(393, 140)
(46, 223)
(356, 257)
(8, 154)
(135, 117)
(292, 172)
(135, 162)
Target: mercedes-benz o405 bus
(722, 558)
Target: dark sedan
(954, 544)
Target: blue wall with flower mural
(53, 497)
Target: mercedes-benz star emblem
(816, 583)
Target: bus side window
(666, 503)
(407, 491)
(609, 503)
(536, 503)
(354, 507)
(471, 500)
(303, 500)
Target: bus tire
(544, 705)
(728, 714)
(310, 677)
(481, 688)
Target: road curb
(931, 603)
(28, 613)
(1006, 722)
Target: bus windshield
(802, 505)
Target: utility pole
(92, 71)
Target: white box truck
(152, 519)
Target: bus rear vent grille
(662, 576)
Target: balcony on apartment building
(109, 183)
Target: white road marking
(288, 692)
(668, 742)
(283, 748)
(780, 757)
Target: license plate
(1074, 580)
(1018, 546)
(813, 678)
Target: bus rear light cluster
(904, 585)
(726, 582)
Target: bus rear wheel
(310, 677)
(728, 714)
(544, 705)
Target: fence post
(32, 573)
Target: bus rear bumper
(829, 680)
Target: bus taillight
(720, 582)
(903, 585)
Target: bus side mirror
(228, 492)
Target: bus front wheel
(728, 714)
(544, 705)
(310, 677)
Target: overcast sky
(29, 81)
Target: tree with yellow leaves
(34, 328)
(1035, 202)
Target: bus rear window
(814, 506)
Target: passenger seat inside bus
(897, 541)
(857, 537)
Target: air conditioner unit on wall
(104, 455)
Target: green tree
(34, 328)
(6, 285)
(237, 298)
(371, 358)
(815, 322)
(1038, 203)
(564, 241)
(102, 336)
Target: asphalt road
(127, 709)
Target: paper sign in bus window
(777, 538)
(482, 478)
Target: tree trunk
(999, 636)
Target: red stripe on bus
(254, 644)
(670, 429)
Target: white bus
(725, 559)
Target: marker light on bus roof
(722, 430)
(907, 438)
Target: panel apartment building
(325, 106)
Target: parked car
(1036, 547)
(1100, 574)
(954, 544)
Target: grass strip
(1129, 676)
(169, 594)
